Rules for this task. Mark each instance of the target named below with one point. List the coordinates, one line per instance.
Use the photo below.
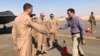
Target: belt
(75, 34)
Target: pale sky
(58, 7)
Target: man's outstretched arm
(39, 28)
(65, 26)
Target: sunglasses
(43, 15)
(51, 15)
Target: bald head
(42, 15)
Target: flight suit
(53, 25)
(41, 37)
(22, 35)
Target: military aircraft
(6, 17)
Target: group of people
(27, 26)
(51, 24)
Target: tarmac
(91, 48)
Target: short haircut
(51, 14)
(92, 13)
(27, 6)
(71, 10)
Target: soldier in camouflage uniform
(92, 21)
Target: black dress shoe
(38, 52)
(82, 55)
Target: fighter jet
(6, 17)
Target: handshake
(52, 32)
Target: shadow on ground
(59, 48)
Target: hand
(15, 48)
(83, 42)
(59, 28)
(51, 31)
